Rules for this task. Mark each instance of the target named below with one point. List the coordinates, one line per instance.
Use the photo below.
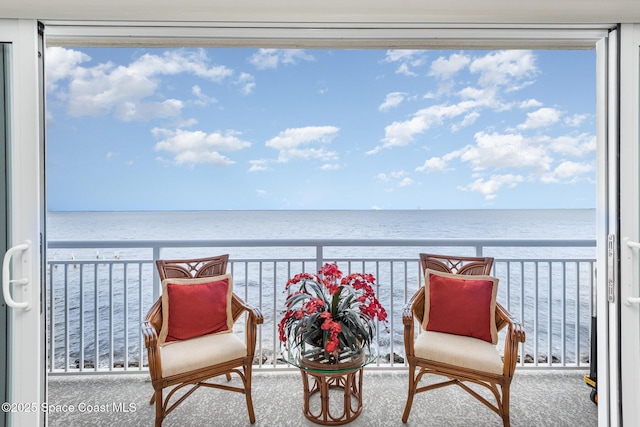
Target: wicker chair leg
(247, 392)
(505, 406)
(228, 375)
(411, 393)
(159, 409)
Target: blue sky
(199, 129)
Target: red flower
(334, 329)
(321, 305)
(313, 305)
(298, 278)
(325, 315)
(331, 272)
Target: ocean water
(83, 290)
(481, 224)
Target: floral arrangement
(330, 311)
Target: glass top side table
(320, 375)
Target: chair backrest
(449, 264)
(457, 264)
(192, 268)
(185, 268)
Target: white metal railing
(99, 291)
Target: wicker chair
(198, 268)
(498, 384)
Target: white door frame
(607, 229)
(26, 353)
(26, 186)
(629, 331)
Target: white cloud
(405, 70)
(434, 164)
(382, 177)
(395, 178)
(489, 187)
(475, 93)
(203, 99)
(568, 172)
(135, 111)
(124, 90)
(178, 61)
(405, 182)
(496, 70)
(392, 100)
(504, 68)
(293, 143)
(515, 152)
(445, 68)
(272, 58)
(540, 118)
(505, 151)
(573, 145)
(407, 60)
(530, 103)
(61, 63)
(246, 82)
(399, 134)
(468, 120)
(576, 120)
(403, 55)
(330, 166)
(192, 147)
(259, 165)
(569, 169)
(322, 87)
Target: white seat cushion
(458, 350)
(196, 353)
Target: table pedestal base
(321, 383)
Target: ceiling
(351, 12)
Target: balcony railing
(98, 292)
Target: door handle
(6, 281)
(636, 246)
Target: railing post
(156, 277)
(479, 250)
(319, 257)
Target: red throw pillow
(196, 310)
(463, 305)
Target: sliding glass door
(4, 139)
(20, 223)
(629, 294)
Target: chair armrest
(255, 315)
(515, 335)
(150, 335)
(254, 318)
(414, 309)
(407, 320)
(411, 313)
(407, 314)
(153, 351)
